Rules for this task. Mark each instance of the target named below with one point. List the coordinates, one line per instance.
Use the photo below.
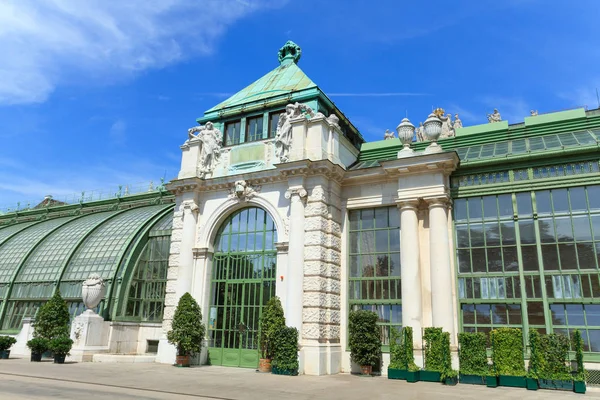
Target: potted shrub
(434, 355)
(449, 376)
(5, 343)
(37, 346)
(554, 371)
(412, 371)
(52, 319)
(579, 376)
(398, 367)
(285, 351)
(364, 340)
(472, 358)
(531, 379)
(60, 347)
(271, 321)
(187, 330)
(507, 356)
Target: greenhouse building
(467, 228)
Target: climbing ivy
(554, 349)
(447, 371)
(578, 347)
(507, 351)
(535, 357)
(397, 353)
(407, 344)
(472, 354)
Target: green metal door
(243, 280)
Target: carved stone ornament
(334, 120)
(243, 191)
(290, 51)
(296, 191)
(406, 131)
(457, 123)
(211, 141)
(494, 117)
(188, 205)
(387, 135)
(283, 137)
(93, 290)
(533, 113)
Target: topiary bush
(364, 338)
(472, 355)
(535, 356)
(60, 345)
(38, 345)
(187, 331)
(407, 348)
(285, 350)
(507, 351)
(434, 349)
(6, 342)
(271, 321)
(52, 319)
(578, 348)
(447, 371)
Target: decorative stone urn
(93, 290)
(432, 131)
(406, 132)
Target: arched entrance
(242, 281)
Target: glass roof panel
(519, 146)
(501, 149)
(12, 229)
(536, 143)
(165, 224)
(585, 137)
(567, 139)
(46, 261)
(14, 249)
(552, 141)
(102, 249)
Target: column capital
(412, 204)
(201, 252)
(282, 247)
(189, 205)
(296, 191)
(438, 201)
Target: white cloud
(118, 132)
(46, 43)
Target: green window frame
(254, 128)
(374, 282)
(233, 133)
(273, 122)
(566, 317)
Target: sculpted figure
(210, 151)
(533, 113)
(494, 117)
(283, 137)
(446, 126)
(420, 133)
(457, 123)
(388, 135)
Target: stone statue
(457, 123)
(92, 291)
(334, 120)
(420, 133)
(446, 126)
(283, 137)
(243, 191)
(494, 117)
(388, 135)
(533, 113)
(210, 152)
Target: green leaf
(473, 353)
(364, 338)
(507, 351)
(187, 330)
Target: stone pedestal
(90, 335)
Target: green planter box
(579, 387)
(396, 373)
(491, 381)
(451, 381)
(412, 376)
(532, 384)
(278, 371)
(555, 384)
(472, 379)
(512, 381)
(4, 354)
(430, 376)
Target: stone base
(86, 354)
(123, 358)
(166, 352)
(90, 335)
(321, 359)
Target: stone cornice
(201, 252)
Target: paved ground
(21, 379)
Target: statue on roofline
(283, 137)
(211, 140)
(388, 135)
(494, 117)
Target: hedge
(285, 350)
(434, 349)
(472, 355)
(365, 338)
(578, 348)
(507, 351)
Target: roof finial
(288, 53)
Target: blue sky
(94, 94)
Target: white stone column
(188, 241)
(442, 303)
(410, 270)
(295, 268)
(282, 271)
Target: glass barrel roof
(165, 224)
(102, 249)
(46, 261)
(12, 229)
(17, 247)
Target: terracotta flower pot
(264, 365)
(182, 361)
